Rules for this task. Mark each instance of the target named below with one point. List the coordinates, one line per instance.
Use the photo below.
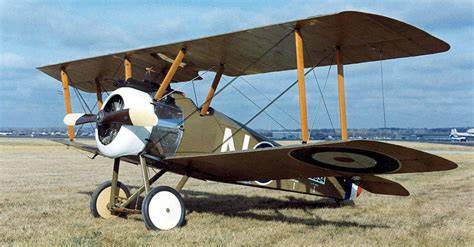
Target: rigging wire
(80, 98)
(260, 108)
(79, 95)
(324, 103)
(319, 101)
(322, 97)
(235, 78)
(320, 91)
(242, 72)
(268, 105)
(268, 98)
(195, 95)
(186, 83)
(250, 65)
(83, 108)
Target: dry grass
(45, 190)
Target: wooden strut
(182, 182)
(301, 86)
(98, 91)
(169, 76)
(67, 101)
(128, 68)
(342, 101)
(146, 180)
(212, 90)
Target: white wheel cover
(104, 199)
(164, 210)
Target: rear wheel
(100, 199)
(163, 209)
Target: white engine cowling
(115, 140)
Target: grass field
(45, 191)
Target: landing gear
(100, 199)
(163, 209)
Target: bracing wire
(250, 65)
(185, 84)
(81, 101)
(322, 99)
(260, 108)
(324, 102)
(269, 104)
(319, 101)
(83, 108)
(268, 98)
(236, 77)
(195, 95)
(320, 92)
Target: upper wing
(362, 37)
(352, 158)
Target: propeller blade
(143, 117)
(131, 116)
(79, 118)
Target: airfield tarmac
(45, 190)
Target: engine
(116, 140)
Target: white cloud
(9, 60)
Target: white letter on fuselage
(228, 141)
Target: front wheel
(163, 209)
(100, 199)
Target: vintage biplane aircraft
(145, 122)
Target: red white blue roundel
(347, 159)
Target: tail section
(352, 191)
(454, 133)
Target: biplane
(145, 122)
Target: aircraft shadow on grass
(248, 207)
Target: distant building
(286, 135)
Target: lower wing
(337, 159)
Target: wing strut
(169, 76)
(67, 100)
(212, 90)
(128, 68)
(98, 92)
(342, 100)
(301, 85)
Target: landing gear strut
(162, 209)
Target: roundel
(263, 182)
(259, 145)
(263, 144)
(347, 159)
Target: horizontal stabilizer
(378, 185)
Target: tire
(101, 198)
(163, 209)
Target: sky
(431, 91)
